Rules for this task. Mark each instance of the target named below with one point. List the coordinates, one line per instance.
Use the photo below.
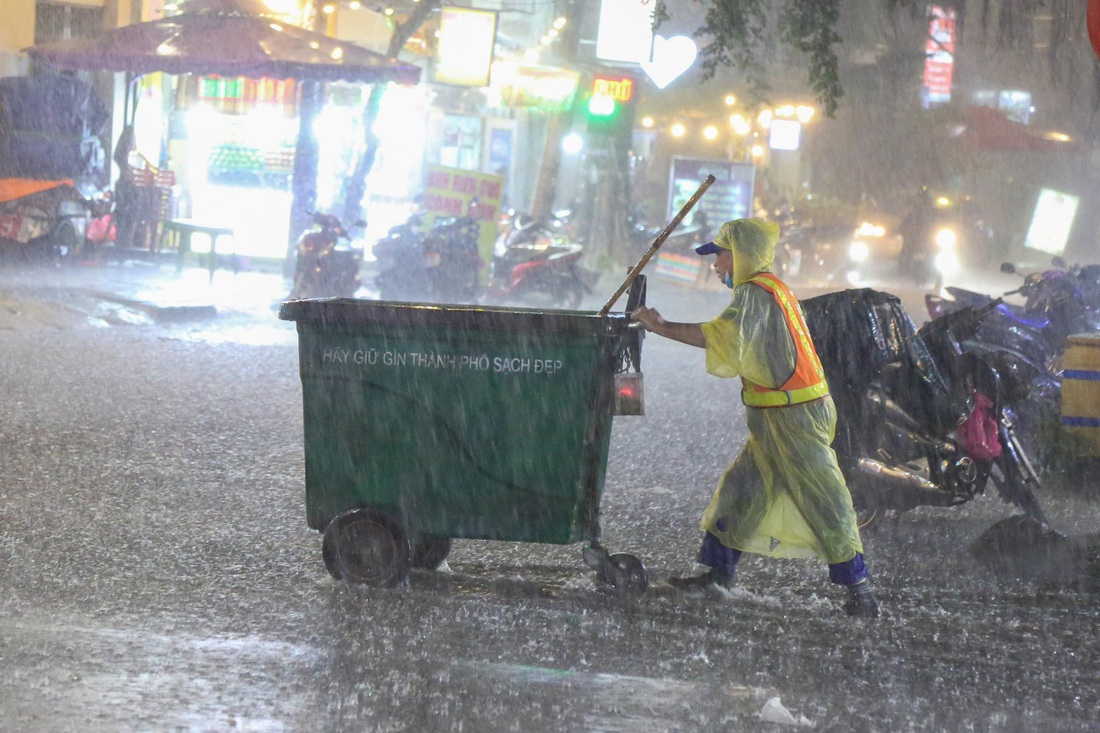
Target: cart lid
(353, 312)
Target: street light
(677, 130)
(710, 132)
(740, 124)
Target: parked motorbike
(1058, 303)
(42, 220)
(1067, 299)
(920, 422)
(325, 268)
(102, 232)
(438, 264)
(1007, 328)
(533, 265)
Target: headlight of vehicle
(858, 251)
(946, 239)
(867, 229)
(947, 261)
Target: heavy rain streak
(549, 366)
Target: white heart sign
(671, 57)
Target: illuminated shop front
(234, 155)
(397, 174)
(233, 148)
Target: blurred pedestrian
(784, 494)
(915, 259)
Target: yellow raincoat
(784, 495)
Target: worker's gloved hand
(648, 317)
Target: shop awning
(988, 129)
(12, 189)
(226, 38)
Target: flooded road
(158, 574)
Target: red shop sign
(1092, 22)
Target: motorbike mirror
(1058, 262)
(1008, 268)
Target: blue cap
(710, 248)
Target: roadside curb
(161, 313)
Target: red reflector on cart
(629, 394)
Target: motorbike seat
(1034, 322)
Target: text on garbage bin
(433, 360)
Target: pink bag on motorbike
(101, 229)
(978, 435)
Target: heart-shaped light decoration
(671, 57)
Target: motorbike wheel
(570, 295)
(571, 299)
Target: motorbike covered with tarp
(865, 337)
(50, 153)
(920, 423)
(41, 218)
(50, 127)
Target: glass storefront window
(461, 146)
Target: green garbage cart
(425, 423)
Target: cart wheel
(430, 551)
(328, 554)
(366, 546)
(625, 573)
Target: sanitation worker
(784, 494)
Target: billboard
(625, 33)
(449, 191)
(1051, 221)
(939, 60)
(729, 197)
(466, 39)
(785, 134)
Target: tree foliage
(743, 34)
(751, 36)
(810, 27)
(355, 186)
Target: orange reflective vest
(807, 383)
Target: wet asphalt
(157, 573)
